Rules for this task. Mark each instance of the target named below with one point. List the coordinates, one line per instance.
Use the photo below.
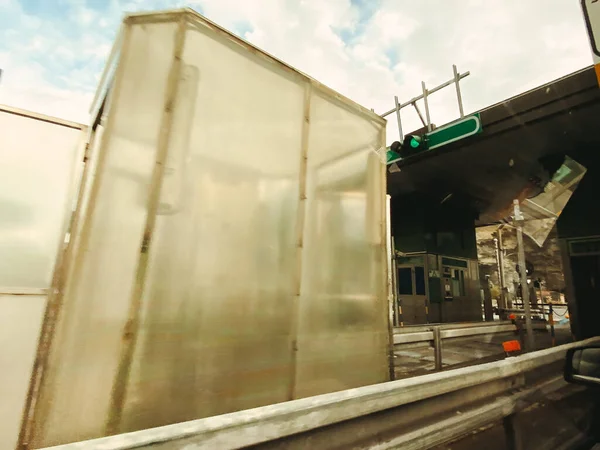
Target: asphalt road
(550, 423)
(555, 420)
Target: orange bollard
(511, 347)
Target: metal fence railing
(435, 334)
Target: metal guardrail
(415, 413)
(448, 325)
(425, 334)
(437, 333)
(546, 310)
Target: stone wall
(546, 260)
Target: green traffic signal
(412, 141)
(393, 152)
(411, 145)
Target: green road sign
(465, 127)
(413, 144)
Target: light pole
(518, 219)
(500, 261)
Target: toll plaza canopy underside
(487, 171)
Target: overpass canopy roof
(520, 137)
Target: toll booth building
(436, 268)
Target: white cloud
(507, 46)
(369, 51)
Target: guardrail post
(551, 320)
(520, 331)
(513, 436)
(437, 347)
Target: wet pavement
(549, 423)
(557, 419)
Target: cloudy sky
(52, 51)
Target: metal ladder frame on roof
(424, 96)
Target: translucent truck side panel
(38, 165)
(232, 253)
(342, 328)
(20, 324)
(76, 393)
(218, 303)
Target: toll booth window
(411, 260)
(405, 281)
(419, 280)
(458, 282)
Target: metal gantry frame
(426, 121)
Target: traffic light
(393, 153)
(411, 145)
(528, 268)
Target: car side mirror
(582, 365)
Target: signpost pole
(501, 301)
(458, 94)
(426, 103)
(502, 277)
(400, 134)
(530, 344)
